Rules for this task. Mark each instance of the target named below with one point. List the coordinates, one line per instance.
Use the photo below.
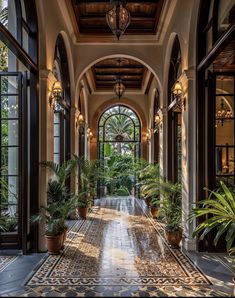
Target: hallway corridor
(118, 251)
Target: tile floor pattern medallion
(117, 246)
(5, 261)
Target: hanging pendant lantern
(118, 18)
(119, 88)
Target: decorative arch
(116, 56)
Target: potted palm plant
(172, 211)
(219, 213)
(150, 183)
(83, 204)
(54, 216)
(88, 175)
(60, 204)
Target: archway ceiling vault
(103, 75)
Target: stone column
(188, 156)
(46, 137)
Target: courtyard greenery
(217, 213)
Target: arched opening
(119, 141)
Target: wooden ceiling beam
(107, 1)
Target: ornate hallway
(118, 251)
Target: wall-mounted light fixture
(158, 121)
(79, 118)
(56, 96)
(178, 95)
(148, 135)
(89, 134)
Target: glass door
(11, 133)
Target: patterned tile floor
(120, 252)
(5, 261)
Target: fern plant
(219, 210)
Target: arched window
(62, 112)
(174, 117)
(19, 147)
(117, 127)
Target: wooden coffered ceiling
(106, 72)
(91, 16)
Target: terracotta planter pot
(64, 235)
(174, 237)
(82, 212)
(155, 211)
(53, 244)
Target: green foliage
(172, 205)
(54, 216)
(60, 203)
(150, 181)
(122, 191)
(155, 202)
(219, 213)
(61, 172)
(8, 223)
(119, 171)
(89, 173)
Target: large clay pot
(82, 212)
(53, 244)
(154, 211)
(174, 237)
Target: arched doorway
(119, 136)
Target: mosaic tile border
(5, 261)
(193, 276)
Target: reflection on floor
(119, 251)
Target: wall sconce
(177, 92)
(56, 96)
(89, 134)
(157, 121)
(79, 118)
(148, 135)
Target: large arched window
(19, 147)
(174, 147)
(119, 131)
(62, 112)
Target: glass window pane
(9, 107)
(8, 16)
(9, 189)
(209, 39)
(9, 85)
(56, 130)
(9, 160)
(224, 161)
(225, 85)
(9, 132)
(25, 40)
(56, 145)
(57, 158)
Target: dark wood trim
(16, 48)
(224, 40)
